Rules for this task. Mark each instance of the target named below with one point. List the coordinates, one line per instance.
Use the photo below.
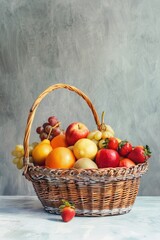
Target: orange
(59, 141)
(40, 152)
(60, 157)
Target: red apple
(107, 158)
(76, 131)
(126, 162)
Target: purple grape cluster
(47, 130)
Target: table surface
(23, 217)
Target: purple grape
(43, 136)
(56, 131)
(51, 137)
(48, 128)
(39, 130)
(45, 124)
(52, 120)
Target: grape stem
(55, 126)
(102, 127)
(102, 117)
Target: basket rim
(100, 174)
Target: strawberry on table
(67, 210)
(140, 154)
(124, 148)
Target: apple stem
(55, 126)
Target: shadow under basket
(98, 192)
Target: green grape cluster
(18, 153)
(99, 136)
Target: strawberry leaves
(147, 151)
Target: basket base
(94, 213)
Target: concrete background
(109, 49)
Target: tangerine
(40, 152)
(59, 141)
(60, 157)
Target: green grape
(109, 129)
(17, 153)
(14, 153)
(98, 135)
(20, 163)
(106, 134)
(15, 160)
(91, 135)
(19, 148)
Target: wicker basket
(96, 192)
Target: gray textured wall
(110, 49)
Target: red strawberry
(124, 148)
(111, 143)
(140, 154)
(67, 210)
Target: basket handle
(36, 104)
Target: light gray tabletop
(23, 217)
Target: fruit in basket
(124, 148)
(91, 134)
(18, 153)
(140, 154)
(107, 158)
(49, 129)
(111, 143)
(45, 141)
(126, 162)
(85, 148)
(59, 141)
(67, 211)
(76, 131)
(60, 157)
(40, 129)
(101, 136)
(85, 163)
(52, 120)
(107, 133)
(98, 135)
(40, 152)
(43, 136)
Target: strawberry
(111, 143)
(140, 154)
(124, 148)
(67, 210)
